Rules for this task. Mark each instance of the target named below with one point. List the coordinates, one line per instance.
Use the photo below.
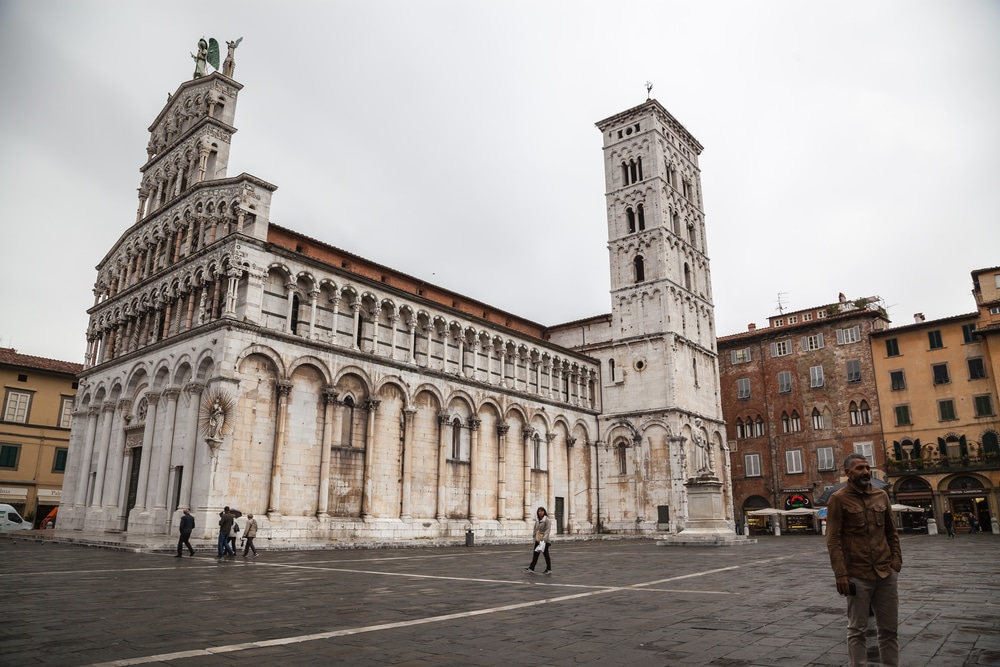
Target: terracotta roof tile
(10, 357)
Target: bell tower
(656, 224)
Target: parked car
(11, 520)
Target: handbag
(236, 527)
(541, 546)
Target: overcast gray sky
(849, 146)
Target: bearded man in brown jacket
(865, 555)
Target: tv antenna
(781, 302)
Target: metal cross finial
(649, 89)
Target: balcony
(942, 465)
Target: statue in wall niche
(703, 462)
(216, 416)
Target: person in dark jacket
(865, 555)
(226, 525)
(187, 527)
(949, 522)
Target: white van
(11, 520)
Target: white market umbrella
(906, 508)
(767, 511)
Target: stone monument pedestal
(706, 524)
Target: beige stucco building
(35, 421)
(937, 386)
(233, 361)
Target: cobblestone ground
(624, 602)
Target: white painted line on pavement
(128, 662)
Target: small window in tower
(294, 323)
(633, 171)
(687, 276)
(642, 217)
(630, 217)
(639, 163)
(640, 271)
(624, 173)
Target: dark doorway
(560, 503)
(133, 482)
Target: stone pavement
(609, 602)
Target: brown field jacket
(861, 534)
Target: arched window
(676, 223)
(692, 236)
(536, 447)
(759, 426)
(633, 171)
(796, 423)
(687, 276)
(640, 270)
(611, 369)
(642, 217)
(621, 452)
(855, 413)
(786, 423)
(456, 439)
(347, 423)
(293, 324)
(740, 433)
(639, 163)
(817, 418)
(624, 173)
(630, 217)
(865, 413)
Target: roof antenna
(781, 303)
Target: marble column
(107, 433)
(152, 398)
(502, 430)
(407, 486)
(329, 403)
(474, 424)
(442, 463)
(366, 501)
(194, 391)
(83, 474)
(274, 501)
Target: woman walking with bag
(541, 534)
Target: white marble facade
(234, 362)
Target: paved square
(614, 602)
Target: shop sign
(11, 491)
(797, 489)
(973, 493)
(55, 494)
(796, 501)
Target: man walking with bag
(865, 555)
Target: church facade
(232, 361)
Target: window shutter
(805, 343)
(732, 356)
(774, 349)
(840, 336)
(821, 340)
(857, 333)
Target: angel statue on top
(208, 53)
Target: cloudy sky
(849, 147)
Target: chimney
(751, 327)
(918, 317)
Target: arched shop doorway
(758, 525)
(915, 492)
(967, 495)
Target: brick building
(798, 396)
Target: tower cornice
(657, 109)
